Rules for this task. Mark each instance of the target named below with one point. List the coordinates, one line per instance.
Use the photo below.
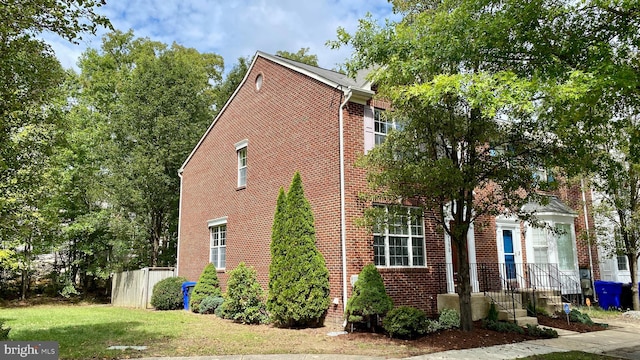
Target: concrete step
(526, 320)
(505, 315)
(498, 296)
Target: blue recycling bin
(187, 287)
(608, 294)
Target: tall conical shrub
(369, 299)
(207, 285)
(298, 276)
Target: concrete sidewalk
(621, 339)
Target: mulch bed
(560, 322)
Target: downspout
(343, 216)
(586, 224)
(179, 223)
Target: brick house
(286, 117)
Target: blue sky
(235, 28)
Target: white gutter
(586, 224)
(343, 216)
(179, 222)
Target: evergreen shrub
(576, 316)
(493, 312)
(167, 294)
(298, 276)
(244, 302)
(405, 322)
(209, 304)
(207, 285)
(502, 326)
(539, 332)
(369, 298)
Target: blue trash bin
(187, 287)
(608, 294)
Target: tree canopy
(301, 55)
(466, 80)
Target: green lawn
(85, 331)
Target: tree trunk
(156, 234)
(633, 268)
(464, 285)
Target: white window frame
(378, 122)
(413, 232)
(242, 154)
(218, 242)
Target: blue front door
(509, 255)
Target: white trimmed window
(218, 242)
(566, 257)
(381, 126)
(561, 240)
(241, 150)
(400, 240)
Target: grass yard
(85, 331)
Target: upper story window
(400, 240)
(218, 242)
(381, 125)
(241, 150)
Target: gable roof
(554, 207)
(359, 87)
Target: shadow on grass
(91, 341)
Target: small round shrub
(502, 326)
(576, 316)
(4, 332)
(405, 322)
(167, 294)
(449, 319)
(207, 285)
(432, 326)
(209, 304)
(244, 302)
(544, 332)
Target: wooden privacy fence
(134, 288)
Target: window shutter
(369, 136)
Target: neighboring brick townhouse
(287, 116)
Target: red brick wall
(291, 125)
(407, 286)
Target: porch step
(525, 320)
(505, 297)
(505, 315)
(550, 301)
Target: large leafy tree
(152, 103)
(31, 104)
(600, 124)
(463, 85)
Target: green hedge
(167, 294)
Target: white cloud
(234, 29)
